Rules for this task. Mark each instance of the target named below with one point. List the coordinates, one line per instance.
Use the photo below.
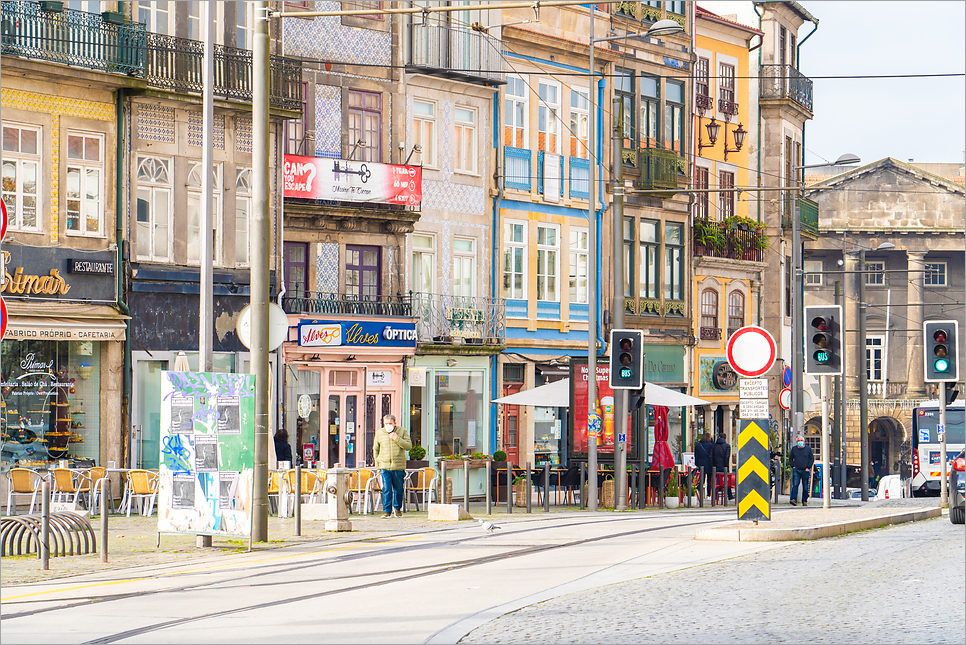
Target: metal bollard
(466, 486)
(489, 469)
(442, 483)
(724, 496)
(583, 479)
(529, 495)
(701, 485)
(546, 487)
(661, 503)
(298, 499)
(104, 488)
(45, 527)
(509, 486)
(714, 486)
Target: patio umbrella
(661, 457)
(181, 362)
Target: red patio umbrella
(661, 457)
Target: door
(511, 423)
(346, 436)
(146, 434)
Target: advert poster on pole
(207, 462)
(604, 406)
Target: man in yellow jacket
(389, 449)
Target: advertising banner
(207, 461)
(603, 405)
(330, 333)
(352, 181)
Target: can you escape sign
(207, 463)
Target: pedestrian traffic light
(626, 359)
(823, 344)
(940, 353)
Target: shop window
(21, 176)
(459, 413)
(85, 183)
(153, 208)
(195, 214)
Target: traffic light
(823, 340)
(626, 359)
(940, 351)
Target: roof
(954, 184)
(709, 15)
(797, 8)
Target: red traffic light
(626, 344)
(820, 323)
(939, 336)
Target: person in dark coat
(702, 458)
(283, 451)
(802, 459)
(721, 459)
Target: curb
(737, 534)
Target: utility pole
(592, 277)
(261, 249)
(943, 472)
(617, 304)
(838, 403)
(797, 322)
(863, 382)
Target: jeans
(800, 475)
(392, 490)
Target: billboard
(352, 181)
(604, 406)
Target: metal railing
(808, 210)
(785, 82)
(445, 319)
(72, 37)
(320, 303)
(729, 242)
(460, 53)
(710, 333)
(659, 168)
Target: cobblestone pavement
(905, 583)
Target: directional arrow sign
(753, 459)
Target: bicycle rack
(21, 534)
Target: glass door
(146, 435)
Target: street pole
(261, 248)
(863, 383)
(617, 304)
(838, 437)
(592, 277)
(943, 492)
(797, 333)
(826, 445)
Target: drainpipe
(758, 160)
(120, 243)
(599, 212)
(495, 238)
(798, 58)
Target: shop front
(341, 377)
(664, 366)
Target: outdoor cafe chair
(311, 487)
(273, 478)
(420, 485)
(373, 495)
(22, 482)
(142, 485)
(359, 489)
(69, 482)
(95, 475)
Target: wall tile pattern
(196, 129)
(328, 121)
(156, 123)
(327, 267)
(243, 134)
(326, 38)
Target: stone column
(915, 264)
(854, 352)
(728, 429)
(709, 420)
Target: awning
(557, 395)
(50, 328)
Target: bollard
(298, 499)
(45, 527)
(583, 478)
(529, 495)
(714, 486)
(489, 468)
(103, 501)
(701, 485)
(441, 498)
(546, 487)
(466, 486)
(661, 503)
(724, 496)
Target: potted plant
(672, 490)
(417, 456)
(693, 485)
(520, 490)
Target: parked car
(855, 494)
(957, 489)
(890, 487)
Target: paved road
(902, 584)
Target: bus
(926, 466)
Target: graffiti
(176, 455)
(203, 384)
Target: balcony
(319, 303)
(808, 210)
(72, 37)
(177, 64)
(728, 239)
(660, 169)
(786, 82)
(456, 53)
(710, 333)
(459, 320)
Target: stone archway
(889, 446)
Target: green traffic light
(626, 372)
(821, 356)
(941, 365)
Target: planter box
(53, 7)
(417, 463)
(113, 17)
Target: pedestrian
(802, 459)
(389, 451)
(721, 459)
(283, 451)
(702, 458)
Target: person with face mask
(802, 459)
(389, 451)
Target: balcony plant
(707, 236)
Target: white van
(890, 487)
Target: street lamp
(665, 27)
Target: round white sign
(751, 351)
(305, 406)
(277, 326)
(785, 398)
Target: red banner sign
(352, 181)
(604, 406)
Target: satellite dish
(277, 326)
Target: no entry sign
(751, 351)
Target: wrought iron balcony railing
(457, 53)
(444, 319)
(786, 82)
(660, 168)
(808, 211)
(718, 239)
(320, 303)
(72, 37)
(710, 333)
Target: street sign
(753, 478)
(751, 351)
(277, 326)
(787, 376)
(752, 408)
(3, 317)
(785, 398)
(753, 388)
(622, 437)
(3, 222)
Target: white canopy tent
(557, 395)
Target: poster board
(604, 406)
(207, 462)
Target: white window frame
(939, 275)
(579, 123)
(17, 196)
(548, 264)
(813, 273)
(153, 190)
(421, 253)
(243, 214)
(579, 248)
(512, 248)
(874, 353)
(548, 113)
(83, 167)
(90, 6)
(194, 195)
(246, 29)
(464, 268)
(424, 130)
(510, 105)
(874, 273)
(150, 17)
(465, 140)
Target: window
(362, 272)
(424, 130)
(548, 118)
(736, 311)
(547, 249)
(873, 357)
(157, 16)
(701, 201)
(21, 176)
(195, 213)
(782, 43)
(628, 257)
(579, 124)
(424, 263)
(244, 21)
(813, 273)
(793, 51)
(465, 135)
(874, 272)
(295, 129)
(726, 198)
(515, 113)
(648, 263)
(675, 6)
(709, 309)
(935, 274)
(578, 265)
(726, 86)
(624, 92)
(296, 269)
(514, 260)
(243, 210)
(365, 124)
(464, 267)
(650, 111)
(789, 176)
(354, 5)
(90, 6)
(674, 117)
(154, 208)
(194, 20)
(674, 261)
(701, 77)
